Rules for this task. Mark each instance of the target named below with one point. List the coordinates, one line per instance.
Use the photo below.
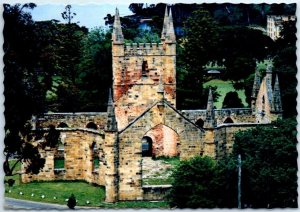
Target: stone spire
(256, 84)
(171, 32)
(210, 121)
(165, 25)
(168, 33)
(276, 103)
(255, 90)
(117, 35)
(111, 118)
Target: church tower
(137, 69)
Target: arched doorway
(92, 125)
(165, 141)
(162, 144)
(200, 123)
(146, 146)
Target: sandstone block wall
(78, 158)
(224, 137)
(137, 69)
(73, 120)
(189, 143)
(237, 115)
(157, 192)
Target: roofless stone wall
(237, 115)
(79, 147)
(72, 120)
(224, 136)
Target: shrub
(11, 182)
(71, 202)
(232, 100)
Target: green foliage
(232, 100)
(11, 182)
(240, 48)
(285, 66)
(95, 71)
(269, 165)
(67, 14)
(269, 172)
(223, 87)
(198, 46)
(146, 36)
(194, 184)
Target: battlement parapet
(141, 49)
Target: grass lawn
(161, 176)
(264, 64)
(58, 191)
(223, 87)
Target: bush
(11, 182)
(194, 184)
(72, 202)
(232, 100)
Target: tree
(67, 14)
(195, 184)
(269, 165)
(240, 48)
(198, 48)
(24, 95)
(232, 100)
(95, 70)
(285, 65)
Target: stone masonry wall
(137, 70)
(224, 137)
(73, 120)
(238, 115)
(78, 157)
(130, 146)
(155, 192)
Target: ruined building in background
(141, 121)
(274, 24)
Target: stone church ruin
(107, 148)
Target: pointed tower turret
(210, 121)
(276, 103)
(171, 32)
(111, 118)
(165, 25)
(255, 89)
(117, 35)
(269, 75)
(168, 34)
(111, 153)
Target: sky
(88, 15)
